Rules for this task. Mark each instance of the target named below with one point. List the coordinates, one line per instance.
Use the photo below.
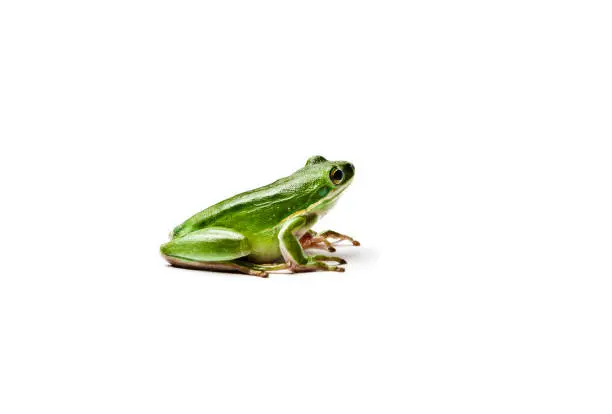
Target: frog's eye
(336, 175)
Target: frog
(267, 229)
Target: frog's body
(266, 228)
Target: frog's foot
(317, 262)
(311, 239)
(323, 258)
(229, 266)
(330, 234)
(272, 267)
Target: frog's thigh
(212, 244)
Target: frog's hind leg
(211, 248)
(226, 266)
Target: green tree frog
(266, 229)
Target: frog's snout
(349, 170)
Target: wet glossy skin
(266, 228)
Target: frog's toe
(323, 258)
(259, 273)
(316, 266)
(334, 268)
(338, 237)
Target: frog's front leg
(311, 239)
(293, 253)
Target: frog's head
(328, 179)
(338, 173)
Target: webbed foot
(315, 240)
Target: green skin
(268, 228)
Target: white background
(481, 136)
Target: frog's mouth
(323, 205)
(335, 193)
(329, 200)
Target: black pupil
(337, 175)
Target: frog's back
(256, 211)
